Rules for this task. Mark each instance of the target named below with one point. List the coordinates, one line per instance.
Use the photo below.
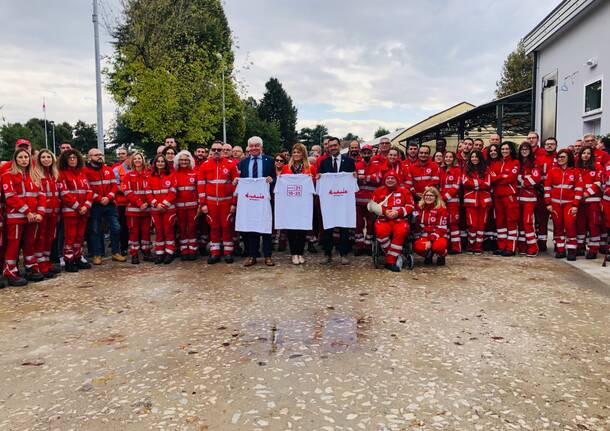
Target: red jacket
(425, 175)
(186, 188)
(215, 182)
(400, 200)
(504, 177)
(50, 187)
(431, 222)
(563, 186)
(450, 184)
(312, 171)
(591, 180)
(382, 160)
(369, 178)
(529, 177)
(22, 197)
(545, 162)
(74, 192)
(476, 189)
(161, 189)
(135, 188)
(120, 169)
(102, 181)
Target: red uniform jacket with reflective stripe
(476, 189)
(135, 189)
(504, 174)
(591, 180)
(529, 177)
(563, 186)
(372, 178)
(186, 188)
(103, 182)
(50, 187)
(74, 192)
(425, 175)
(431, 222)
(400, 200)
(215, 182)
(22, 198)
(161, 189)
(545, 162)
(450, 184)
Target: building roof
(431, 121)
(564, 14)
(391, 136)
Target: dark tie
(255, 168)
(334, 164)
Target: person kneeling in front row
(431, 221)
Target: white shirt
(338, 158)
(253, 212)
(337, 193)
(294, 202)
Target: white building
(571, 49)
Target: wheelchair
(405, 260)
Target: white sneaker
(301, 259)
(295, 259)
(83, 259)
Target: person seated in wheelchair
(430, 219)
(392, 225)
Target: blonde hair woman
(25, 208)
(298, 164)
(431, 222)
(46, 170)
(138, 211)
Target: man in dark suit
(257, 165)
(336, 162)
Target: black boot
(83, 265)
(159, 259)
(229, 258)
(34, 276)
(213, 259)
(135, 259)
(169, 258)
(147, 256)
(508, 253)
(591, 256)
(71, 267)
(560, 254)
(572, 257)
(17, 281)
(440, 261)
(542, 246)
(2, 283)
(311, 248)
(55, 268)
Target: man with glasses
(382, 156)
(238, 153)
(216, 201)
(227, 151)
(590, 141)
(104, 185)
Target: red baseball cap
(21, 142)
(366, 147)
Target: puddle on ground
(317, 335)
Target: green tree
(255, 126)
(350, 137)
(516, 72)
(85, 136)
(381, 131)
(315, 136)
(166, 70)
(63, 133)
(276, 107)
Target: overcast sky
(351, 65)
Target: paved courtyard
(486, 343)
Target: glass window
(593, 96)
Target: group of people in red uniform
(453, 201)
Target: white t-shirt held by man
(253, 212)
(337, 192)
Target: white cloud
(362, 128)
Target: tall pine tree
(276, 107)
(516, 72)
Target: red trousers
(187, 230)
(74, 235)
(527, 228)
(391, 235)
(453, 208)
(139, 234)
(476, 218)
(164, 232)
(564, 228)
(589, 220)
(507, 222)
(542, 220)
(20, 237)
(439, 246)
(363, 218)
(47, 231)
(221, 224)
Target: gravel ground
(486, 343)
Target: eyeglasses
(589, 141)
(216, 150)
(563, 156)
(279, 160)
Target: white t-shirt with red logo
(253, 212)
(337, 192)
(294, 202)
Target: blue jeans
(108, 213)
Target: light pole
(98, 80)
(224, 109)
(53, 128)
(46, 134)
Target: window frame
(584, 97)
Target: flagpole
(46, 135)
